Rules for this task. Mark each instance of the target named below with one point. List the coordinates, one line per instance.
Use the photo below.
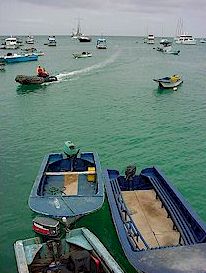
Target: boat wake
(68, 75)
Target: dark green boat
(79, 251)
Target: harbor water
(107, 103)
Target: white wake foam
(96, 67)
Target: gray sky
(107, 17)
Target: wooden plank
(70, 173)
(169, 238)
(71, 184)
(150, 218)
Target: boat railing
(133, 235)
(190, 231)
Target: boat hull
(186, 42)
(17, 59)
(26, 80)
(169, 82)
(101, 47)
(150, 248)
(84, 39)
(77, 56)
(169, 85)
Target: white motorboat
(101, 43)
(185, 39)
(166, 47)
(150, 39)
(51, 41)
(169, 82)
(84, 54)
(30, 40)
(11, 43)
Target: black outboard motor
(130, 172)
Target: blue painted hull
(65, 188)
(189, 255)
(21, 59)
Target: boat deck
(70, 183)
(150, 218)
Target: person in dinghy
(41, 72)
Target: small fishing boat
(157, 228)
(30, 40)
(101, 43)
(33, 50)
(166, 47)
(84, 54)
(51, 41)
(24, 79)
(68, 185)
(169, 82)
(79, 251)
(16, 58)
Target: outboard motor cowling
(70, 149)
(47, 227)
(130, 172)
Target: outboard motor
(130, 172)
(47, 227)
(70, 149)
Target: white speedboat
(169, 82)
(84, 54)
(185, 39)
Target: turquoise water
(107, 103)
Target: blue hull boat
(157, 228)
(15, 58)
(68, 186)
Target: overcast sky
(107, 17)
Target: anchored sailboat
(77, 34)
